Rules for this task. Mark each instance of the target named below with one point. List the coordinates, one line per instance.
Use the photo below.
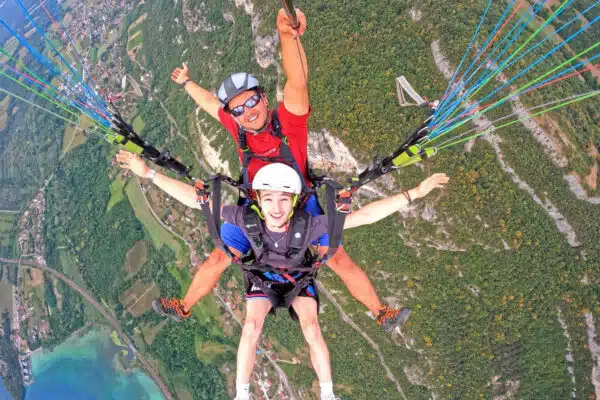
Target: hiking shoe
(389, 317)
(172, 308)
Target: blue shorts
(234, 237)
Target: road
(104, 312)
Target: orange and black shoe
(390, 318)
(172, 308)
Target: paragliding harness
(303, 265)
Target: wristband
(407, 197)
(188, 80)
(151, 176)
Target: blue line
(502, 67)
(53, 6)
(468, 48)
(520, 24)
(557, 75)
(548, 54)
(518, 27)
(56, 95)
(47, 63)
(40, 31)
(481, 50)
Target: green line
(40, 94)
(584, 97)
(517, 92)
(500, 68)
(38, 106)
(18, 63)
(48, 111)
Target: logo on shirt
(268, 152)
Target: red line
(93, 109)
(562, 78)
(503, 26)
(64, 35)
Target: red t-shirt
(264, 144)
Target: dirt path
(156, 216)
(354, 326)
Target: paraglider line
(501, 67)
(577, 99)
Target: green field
(4, 112)
(6, 297)
(70, 269)
(160, 236)
(7, 223)
(136, 257)
(74, 135)
(138, 124)
(136, 39)
(116, 192)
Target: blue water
(84, 369)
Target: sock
(326, 389)
(242, 390)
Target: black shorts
(280, 290)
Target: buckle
(344, 202)
(203, 195)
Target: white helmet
(277, 176)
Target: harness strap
(212, 217)
(285, 153)
(338, 206)
(276, 300)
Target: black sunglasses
(250, 103)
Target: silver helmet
(235, 84)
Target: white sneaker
(245, 398)
(330, 397)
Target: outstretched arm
(380, 209)
(205, 99)
(295, 92)
(181, 191)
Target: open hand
(179, 75)
(438, 180)
(284, 23)
(132, 162)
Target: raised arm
(295, 67)
(181, 191)
(380, 209)
(205, 99)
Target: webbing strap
(212, 217)
(335, 218)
